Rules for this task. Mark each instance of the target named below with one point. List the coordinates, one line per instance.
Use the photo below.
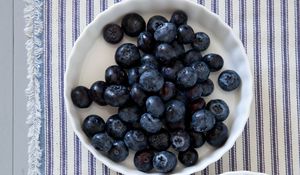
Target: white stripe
(98, 167)
(293, 90)
(278, 61)
(82, 15)
(265, 86)
(70, 135)
(55, 90)
(110, 3)
(96, 8)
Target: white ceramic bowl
(91, 55)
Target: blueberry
(202, 121)
(151, 81)
(194, 93)
(155, 106)
(202, 70)
(175, 111)
(219, 108)
(165, 33)
(143, 160)
(196, 105)
(93, 124)
(179, 49)
(197, 139)
(185, 34)
(149, 59)
(146, 67)
(169, 72)
(135, 125)
(115, 127)
(135, 140)
(180, 140)
(180, 95)
(113, 33)
(81, 97)
(201, 41)
(127, 55)
(138, 95)
(145, 42)
(155, 22)
(97, 91)
(149, 123)
(129, 114)
(164, 161)
(160, 141)
(207, 87)
(118, 152)
(179, 17)
(133, 76)
(178, 125)
(214, 61)
(218, 135)
(189, 157)
(192, 56)
(115, 75)
(116, 95)
(186, 77)
(165, 53)
(229, 80)
(102, 142)
(168, 91)
(133, 24)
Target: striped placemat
(270, 31)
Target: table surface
(13, 129)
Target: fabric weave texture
(270, 32)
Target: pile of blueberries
(158, 88)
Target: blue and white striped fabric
(270, 31)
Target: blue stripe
(205, 171)
(258, 87)
(243, 36)
(77, 153)
(75, 35)
(214, 6)
(104, 170)
(91, 159)
(92, 163)
(49, 117)
(62, 112)
(272, 88)
(89, 11)
(297, 57)
(202, 2)
(219, 166)
(286, 88)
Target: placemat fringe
(33, 30)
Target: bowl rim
(222, 150)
